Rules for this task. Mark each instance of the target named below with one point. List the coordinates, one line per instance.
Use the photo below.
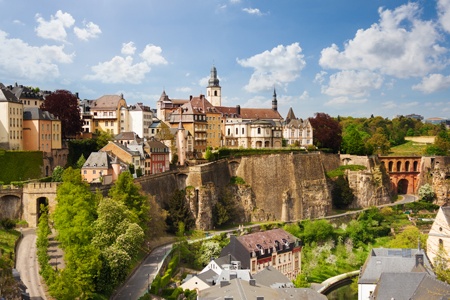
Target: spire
(274, 100)
(290, 115)
(213, 80)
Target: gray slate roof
(34, 113)
(97, 160)
(383, 260)
(410, 286)
(273, 278)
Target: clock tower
(213, 91)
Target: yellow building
(107, 114)
(11, 118)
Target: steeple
(213, 80)
(214, 91)
(274, 100)
(290, 115)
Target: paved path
(142, 278)
(27, 264)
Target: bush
(7, 223)
(237, 180)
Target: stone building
(276, 248)
(11, 120)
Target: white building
(11, 120)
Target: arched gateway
(404, 172)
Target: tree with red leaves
(64, 105)
(327, 132)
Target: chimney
(190, 97)
(238, 109)
(252, 282)
(419, 259)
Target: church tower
(213, 91)
(274, 101)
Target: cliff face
(436, 171)
(282, 187)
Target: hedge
(20, 165)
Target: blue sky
(349, 57)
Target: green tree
(426, 193)
(408, 238)
(208, 250)
(129, 193)
(441, 144)
(342, 194)
(317, 231)
(103, 138)
(81, 161)
(57, 174)
(378, 144)
(352, 142)
(179, 211)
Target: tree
(379, 144)
(57, 174)
(129, 193)
(327, 132)
(408, 238)
(317, 231)
(426, 193)
(81, 161)
(208, 250)
(64, 105)
(179, 211)
(352, 142)
(342, 194)
(441, 144)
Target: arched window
(259, 130)
(391, 165)
(415, 164)
(407, 166)
(215, 93)
(399, 165)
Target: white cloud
(277, 67)
(119, 70)
(433, 83)
(184, 89)
(204, 81)
(152, 55)
(389, 105)
(19, 59)
(18, 22)
(400, 45)
(55, 29)
(444, 14)
(354, 83)
(305, 96)
(90, 31)
(128, 48)
(235, 1)
(258, 101)
(320, 77)
(253, 11)
(340, 101)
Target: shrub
(7, 223)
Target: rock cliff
(283, 187)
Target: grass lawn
(7, 241)
(409, 148)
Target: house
(271, 277)
(101, 168)
(410, 286)
(218, 264)
(276, 248)
(199, 281)
(107, 113)
(297, 131)
(166, 106)
(42, 132)
(124, 154)
(127, 137)
(159, 156)
(139, 119)
(11, 120)
(384, 260)
(438, 242)
(28, 96)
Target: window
(106, 123)
(259, 130)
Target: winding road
(27, 264)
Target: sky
(341, 57)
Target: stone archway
(402, 186)
(40, 201)
(10, 207)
